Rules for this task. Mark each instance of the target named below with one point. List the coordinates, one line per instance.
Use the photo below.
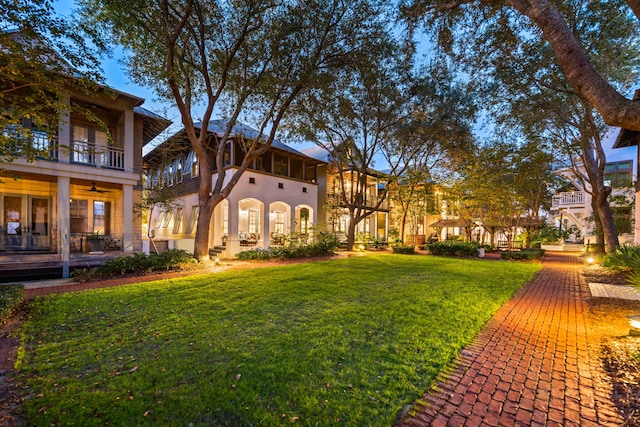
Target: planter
(95, 245)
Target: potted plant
(95, 241)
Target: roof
(443, 223)
(219, 128)
(628, 138)
(154, 124)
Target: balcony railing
(368, 201)
(568, 199)
(86, 153)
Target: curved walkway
(534, 364)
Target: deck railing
(566, 199)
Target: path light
(217, 261)
(362, 248)
(634, 322)
(590, 260)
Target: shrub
(139, 263)
(407, 250)
(11, 296)
(324, 244)
(626, 257)
(525, 254)
(453, 248)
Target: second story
(175, 164)
(621, 171)
(104, 130)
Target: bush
(139, 263)
(11, 296)
(626, 257)
(407, 250)
(525, 254)
(324, 244)
(453, 248)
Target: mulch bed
(620, 350)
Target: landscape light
(591, 260)
(634, 321)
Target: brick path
(533, 364)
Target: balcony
(368, 201)
(568, 200)
(85, 153)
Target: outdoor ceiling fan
(93, 189)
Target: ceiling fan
(93, 189)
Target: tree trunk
(351, 234)
(403, 224)
(201, 245)
(613, 107)
(602, 209)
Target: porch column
(129, 143)
(64, 136)
(127, 218)
(266, 228)
(233, 244)
(64, 223)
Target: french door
(26, 223)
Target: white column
(64, 223)
(127, 218)
(128, 140)
(233, 244)
(266, 228)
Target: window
(225, 219)
(254, 221)
(252, 180)
(79, 212)
(278, 225)
(304, 221)
(178, 167)
(619, 173)
(297, 168)
(195, 166)
(177, 221)
(166, 219)
(341, 223)
(193, 218)
(101, 217)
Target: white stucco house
(276, 196)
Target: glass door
(39, 230)
(13, 223)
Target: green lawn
(337, 342)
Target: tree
(546, 20)
(43, 58)
(249, 59)
(439, 130)
(535, 99)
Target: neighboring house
(87, 185)
(277, 195)
(333, 198)
(573, 208)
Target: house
(276, 196)
(84, 186)
(334, 198)
(572, 209)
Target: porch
(20, 265)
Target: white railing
(86, 153)
(573, 198)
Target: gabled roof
(154, 124)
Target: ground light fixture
(590, 260)
(634, 322)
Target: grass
(339, 342)
(11, 296)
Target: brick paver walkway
(533, 364)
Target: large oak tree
(551, 21)
(248, 59)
